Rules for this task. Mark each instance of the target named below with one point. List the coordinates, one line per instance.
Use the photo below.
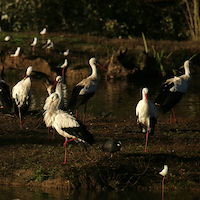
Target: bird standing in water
(172, 91)
(15, 55)
(146, 115)
(85, 89)
(21, 93)
(164, 173)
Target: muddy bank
(27, 158)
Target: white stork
(21, 93)
(67, 125)
(33, 44)
(15, 55)
(59, 91)
(85, 89)
(172, 91)
(43, 32)
(146, 115)
(164, 173)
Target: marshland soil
(27, 157)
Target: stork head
(53, 97)
(93, 61)
(58, 80)
(28, 71)
(145, 93)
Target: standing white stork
(43, 32)
(60, 105)
(33, 44)
(164, 173)
(21, 93)
(85, 89)
(146, 115)
(67, 125)
(172, 91)
(15, 55)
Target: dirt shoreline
(28, 159)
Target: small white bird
(33, 44)
(50, 46)
(164, 173)
(65, 53)
(172, 91)
(21, 93)
(67, 125)
(63, 66)
(146, 115)
(43, 32)
(15, 55)
(47, 43)
(85, 89)
(8, 38)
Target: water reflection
(120, 97)
(22, 193)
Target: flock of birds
(62, 120)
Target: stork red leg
(163, 187)
(176, 121)
(48, 133)
(20, 118)
(147, 135)
(65, 145)
(63, 73)
(53, 134)
(84, 113)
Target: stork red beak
(146, 98)
(54, 85)
(102, 66)
(25, 77)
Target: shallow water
(119, 98)
(22, 193)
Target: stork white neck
(92, 63)
(187, 65)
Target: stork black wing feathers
(81, 133)
(74, 97)
(76, 100)
(167, 99)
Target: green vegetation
(165, 19)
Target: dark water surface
(119, 98)
(21, 193)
